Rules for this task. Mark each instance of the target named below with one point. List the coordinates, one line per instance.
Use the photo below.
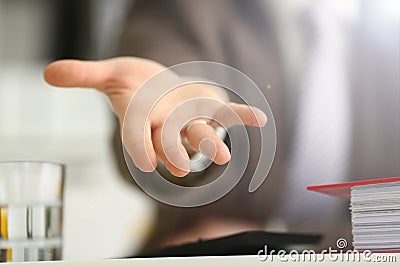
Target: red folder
(343, 189)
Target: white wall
(104, 216)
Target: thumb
(90, 74)
(77, 73)
(117, 77)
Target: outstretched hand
(120, 78)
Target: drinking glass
(31, 201)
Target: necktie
(319, 152)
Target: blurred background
(73, 126)
(104, 217)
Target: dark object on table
(246, 243)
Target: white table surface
(231, 261)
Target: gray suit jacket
(243, 34)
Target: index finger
(248, 115)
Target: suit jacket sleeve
(156, 30)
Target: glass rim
(32, 162)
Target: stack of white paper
(375, 215)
